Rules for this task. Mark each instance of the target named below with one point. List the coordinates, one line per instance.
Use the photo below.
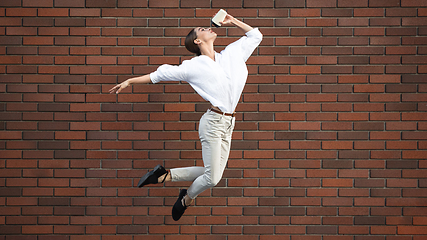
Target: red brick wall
(330, 137)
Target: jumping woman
(218, 78)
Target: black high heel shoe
(153, 176)
(179, 207)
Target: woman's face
(205, 34)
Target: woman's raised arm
(236, 22)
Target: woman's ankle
(164, 178)
(187, 200)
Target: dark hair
(189, 43)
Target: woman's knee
(212, 181)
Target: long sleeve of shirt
(220, 82)
(246, 45)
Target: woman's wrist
(139, 80)
(245, 27)
(235, 21)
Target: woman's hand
(228, 20)
(119, 87)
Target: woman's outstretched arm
(136, 80)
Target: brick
(62, 3)
(226, 4)
(353, 230)
(337, 183)
(386, 22)
(23, 12)
(304, 183)
(37, 3)
(403, 202)
(10, 22)
(352, 3)
(47, 12)
(198, 4)
(322, 230)
(37, 230)
(352, 116)
(321, 4)
(10, 3)
(382, 3)
(412, 3)
(101, 4)
(352, 22)
(164, 4)
(361, 220)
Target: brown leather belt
(219, 112)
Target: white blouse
(220, 82)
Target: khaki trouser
(215, 132)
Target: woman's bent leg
(215, 135)
(211, 151)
